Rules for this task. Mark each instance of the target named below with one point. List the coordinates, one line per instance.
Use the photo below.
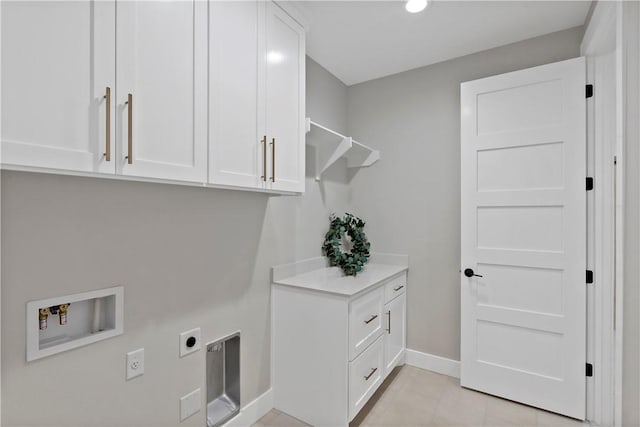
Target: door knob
(469, 273)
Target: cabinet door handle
(371, 319)
(373, 371)
(107, 97)
(389, 321)
(264, 158)
(273, 160)
(398, 288)
(129, 103)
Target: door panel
(527, 167)
(162, 63)
(236, 156)
(512, 109)
(538, 227)
(523, 212)
(284, 97)
(535, 351)
(57, 60)
(521, 288)
(394, 339)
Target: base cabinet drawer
(365, 376)
(395, 287)
(365, 321)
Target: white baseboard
(253, 411)
(434, 363)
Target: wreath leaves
(352, 262)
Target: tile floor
(414, 397)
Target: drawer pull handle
(389, 322)
(374, 317)
(129, 155)
(264, 158)
(273, 160)
(107, 97)
(373, 371)
(398, 288)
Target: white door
(237, 154)
(394, 339)
(523, 213)
(284, 86)
(162, 89)
(58, 59)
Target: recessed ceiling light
(415, 6)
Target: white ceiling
(363, 40)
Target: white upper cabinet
(235, 156)
(208, 92)
(283, 60)
(58, 59)
(162, 89)
(256, 100)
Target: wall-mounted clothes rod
(324, 128)
(358, 155)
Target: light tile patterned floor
(415, 397)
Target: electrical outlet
(135, 363)
(189, 342)
(189, 404)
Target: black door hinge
(589, 276)
(589, 370)
(589, 183)
(589, 91)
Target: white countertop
(333, 280)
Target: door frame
(600, 39)
(0, 227)
(612, 25)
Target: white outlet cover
(189, 404)
(135, 363)
(184, 350)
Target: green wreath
(351, 262)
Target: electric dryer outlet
(189, 342)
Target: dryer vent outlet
(223, 380)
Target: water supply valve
(43, 314)
(62, 313)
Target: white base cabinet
(335, 339)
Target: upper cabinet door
(236, 153)
(162, 89)
(58, 59)
(284, 65)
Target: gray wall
(186, 256)
(411, 197)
